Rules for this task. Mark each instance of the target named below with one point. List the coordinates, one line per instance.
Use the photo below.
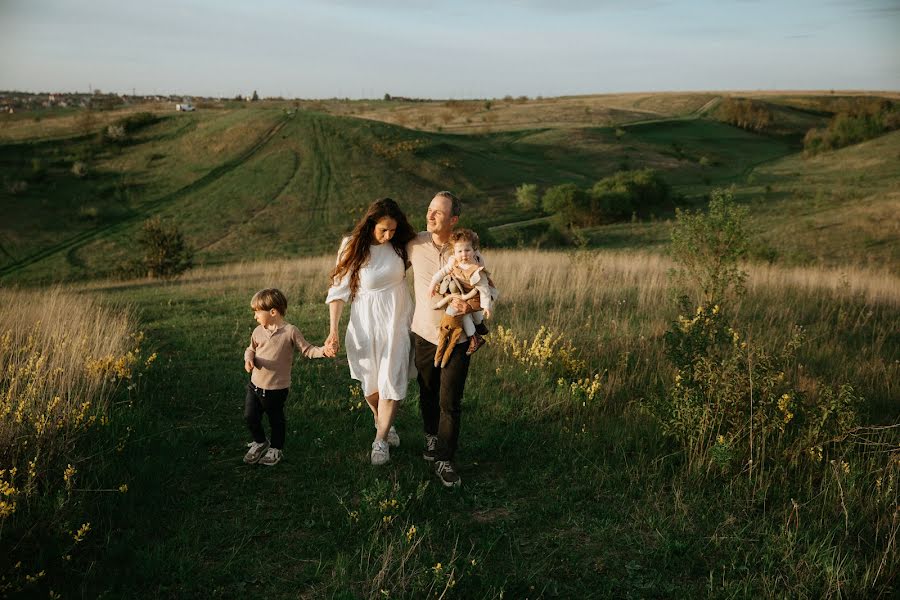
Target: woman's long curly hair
(356, 252)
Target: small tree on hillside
(567, 202)
(165, 254)
(527, 196)
(254, 97)
(708, 247)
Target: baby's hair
(465, 235)
(268, 299)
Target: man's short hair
(455, 204)
(268, 299)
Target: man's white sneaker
(256, 451)
(381, 452)
(272, 456)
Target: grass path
(564, 521)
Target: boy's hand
(248, 366)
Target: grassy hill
(583, 477)
(272, 180)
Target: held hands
(332, 345)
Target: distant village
(12, 102)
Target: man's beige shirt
(272, 354)
(427, 258)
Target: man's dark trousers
(440, 394)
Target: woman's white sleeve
(340, 290)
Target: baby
(465, 278)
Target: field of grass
(575, 480)
(568, 491)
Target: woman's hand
(332, 345)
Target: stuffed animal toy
(449, 332)
(451, 327)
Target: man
(440, 388)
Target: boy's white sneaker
(393, 438)
(256, 451)
(381, 452)
(430, 453)
(272, 456)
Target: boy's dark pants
(271, 402)
(440, 394)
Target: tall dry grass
(615, 307)
(63, 357)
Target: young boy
(269, 358)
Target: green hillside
(270, 181)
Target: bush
(165, 252)
(752, 115)
(734, 404)
(137, 121)
(79, 169)
(568, 202)
(707, 247)
(527, 196)
(617, 197)
(855, 123)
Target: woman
(371, 275)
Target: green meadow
(584, 472)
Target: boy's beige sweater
(272, 354)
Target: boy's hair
(465, 235)
(268, 299)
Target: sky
(446, 49)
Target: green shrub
(854, 124)
(569, 203)
(137, 121)
(708, 247)
(165, 254)
(527, 196)
(736, 405)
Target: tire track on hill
(83, 238)
(267, 204)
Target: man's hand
(487, 313)
(460, 305)
(248, 365)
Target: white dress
(378, 340)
